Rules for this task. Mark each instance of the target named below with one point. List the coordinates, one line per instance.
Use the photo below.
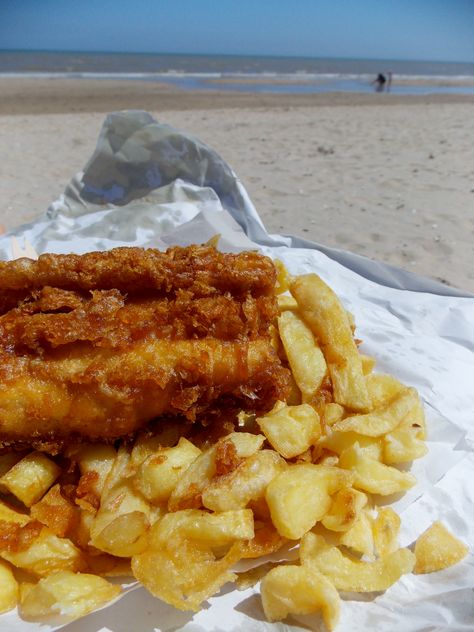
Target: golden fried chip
(31, 477)
(246, 483)
(9, 592)
(305, 358)
(437, 548)
(323, 312)
(159, 473)
(204, 528)
(300, 496)
(403, 445)
(360, 538)
(291, 430)
(299, 590)
(182, 573)
(352, 575)
(372, 476)
(382, 420)
(345, 508)
(69, 595)
(385, 528)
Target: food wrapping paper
(150, 185)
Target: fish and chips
(166, 415)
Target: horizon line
(263, 55)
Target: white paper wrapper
(150, 185)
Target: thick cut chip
(247, 482)
(382, 420)
(187, 493)
(299, 590)
(159, 473)
(352, 575)
(437, 548)
(372, 447)
(66, 595)
(403, 445)
(323, 312)
(197, 525)
(182, 573)
(305, 358)
(236, 446)
(300, 496)
(382, 389)
(124, 517)
(385, 528)
(30, 478)
(123, 535)
(180, 566)
(345, 508)
(360, 538)
(291, 430)
(372, 476)
(45, 553)
(29, 545)
(8, 588)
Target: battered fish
(95, 346)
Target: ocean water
(245, 73)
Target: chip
(300, 496)
(305, 358)
(299, 590)
(30, 478)
(323, 312)
(291, 430)
(9, 591)
(352, 575)
(437, 548)
(373, 476)
(66, 595)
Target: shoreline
(19, 96)
(386, 176)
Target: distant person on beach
(379, 82)
(389, 82)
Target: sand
(385, 176)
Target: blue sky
(384, 29)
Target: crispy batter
(103, 343)
(109, 318)
(200, 269)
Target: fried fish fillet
(96, 346)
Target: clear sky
(383, 29)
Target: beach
(387, 176)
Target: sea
(288, 75)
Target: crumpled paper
(148, 184)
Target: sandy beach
(389, 177)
